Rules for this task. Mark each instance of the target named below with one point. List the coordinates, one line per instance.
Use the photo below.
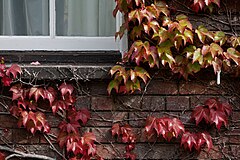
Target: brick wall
(163, 97)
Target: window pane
(24, 17)
(85, 18)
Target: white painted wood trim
(58, 43)
(52, 18)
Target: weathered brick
(106, 119)
(53, 120)
(83, 102)
(6, 136)
(129, 103)
(41, 149)
(153, 103)
(103, 135)
(22, 136)
(177, 103)
(162, 87)
(98, 87)
(111, 151)
(214, 153)
(8, 121)
(188, 88)
(102, 103)
(157, 151)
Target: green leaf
(113, 84)
(234, 55)
(197, 56)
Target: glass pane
(24, 17)
(85, 18)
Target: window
(58, 25)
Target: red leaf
(218, 117)
(226, 107)
(66, 88)
(37, 92)
(71, 127)
(208, 140)
(50, 94)
(59, 105)
(130, 156)
(14, 70)
(17, 92)
(177, 127)
(212, 103)
(6, 81)
(200, 113)
(88, 137)
(116, 129)
(83, 115)
(189, 140)
(2, 156)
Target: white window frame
(63, 43)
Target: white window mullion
(123, 43)
(52, 18)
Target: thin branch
(23, 155)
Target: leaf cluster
(161, 41)
(126, 135)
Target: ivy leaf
(37, 92)
(2, 156)
(116, 129)
(215, 49)
(66, 88)
(18, 92)
(235, 41)
(41, 122)
(218, 117)
(59, 104)
(212, 103)
(142, 73)
(177, 127)
(233, 54)
(50, 95)
(89, 138)
(113, 84)
(188, 140)
(13, 70)
(83, 115)
(226, 107)
(208, 139)
(197, 56)
(6, 81)
(200, 113)
(69, 127)
(165, 53)
(220, 37)
(202, 32)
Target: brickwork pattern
(162, 98)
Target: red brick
(177, 103)
(153, 103)
(102, 103)
(22, 136)
(162, 87)
(98, 87)
(156, 151)
(188, 88)
(236, 118)
(111, 151)
(106, 119)
(53, 120)
(6, 136)
(128, 103)
(54, 132)
(214, 153)
(103, 135)
(8, 121)
(83, 102)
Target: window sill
(63, 65)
